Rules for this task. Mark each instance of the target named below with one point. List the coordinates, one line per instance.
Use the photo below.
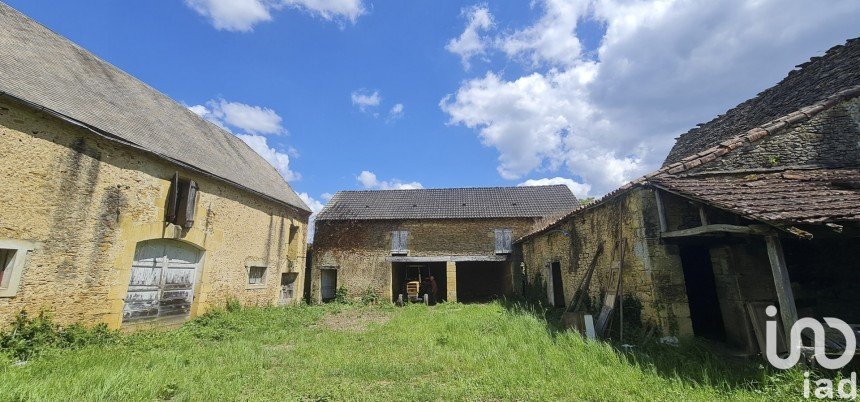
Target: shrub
(370, 297)
(341, 295)
(30, 336)
(233, 304)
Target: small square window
(256, 275)
(7, 258)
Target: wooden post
(661, 211)
(703, 217)
(451, 281)
(787, 309)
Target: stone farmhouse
(372, 241)
(759, 206)
(119, 205)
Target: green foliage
(28, 336)
(233, 304)
(370, 297)
(341, 295)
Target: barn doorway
(557, 285)
(480, 281)
(161, 287)
(328, 284)
(402, 272)
(701, 287)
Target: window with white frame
(13, 255)
(257, 275)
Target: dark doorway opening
(402, 272)
(702, 292)
(557, 285)
(328, 284)
(480, 281)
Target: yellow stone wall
(652, 269)
(87, 202)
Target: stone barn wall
(360, 250)
(85, 202)
(652, 270)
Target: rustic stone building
(119, 205)
(759, 206)
(371, 241)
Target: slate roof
(450, 203)
(777, 198)
(817, 79)
(42, 68)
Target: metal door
(162, 281)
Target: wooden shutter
(399, 239)
(503, 240)
(395, 242)
(404, 245)
(172, 198)
(187, 204)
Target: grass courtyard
(344, 352)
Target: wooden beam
(703, 217)
(787, 308)
(709, 229)
(661, 211)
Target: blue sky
(585, 93)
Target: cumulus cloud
(369, 181)
(580, 190)
(365, 100)
(251, 122)
(315, 207)
(243, 15)
(470, 43)
(660, 68)
(246, 118)
(280, 160)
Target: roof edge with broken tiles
(718, 151)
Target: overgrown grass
(447, 352)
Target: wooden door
(162, 281)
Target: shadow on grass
(693, 361)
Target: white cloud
(369, 181)
(470, 43)
(280, 160)
(243, 15)
(246, 118)
(396, 112)
(315, 207)
(365, 100)
(552, 38)
(661, 67)
(580, 190)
